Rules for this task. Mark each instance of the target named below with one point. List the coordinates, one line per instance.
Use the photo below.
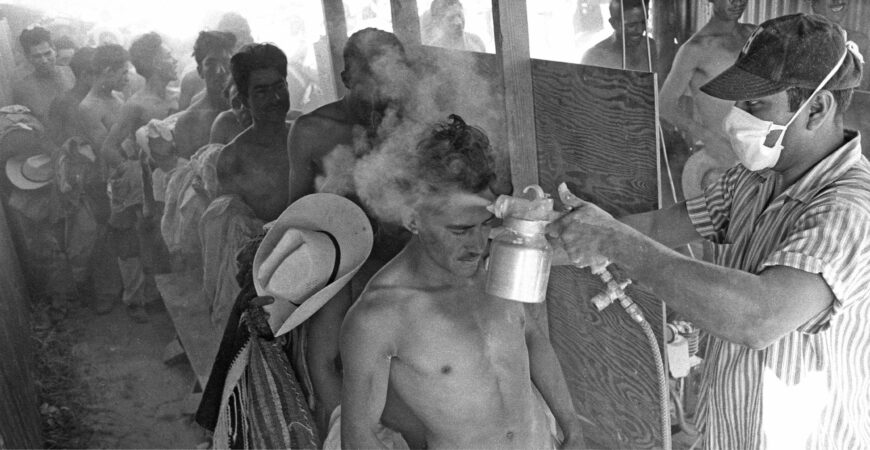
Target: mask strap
(822, 84)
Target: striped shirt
(810, 389)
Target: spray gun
(518, 269)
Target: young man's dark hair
(33, 36)
(209, 41)
(366, 45)
(617, 6)
(109, 56)
(143, 50)
(256, 56)
(455, 155)
(82, 61)
(64, 42)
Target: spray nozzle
(533, 205)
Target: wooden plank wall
(20, 422)
(596, 131)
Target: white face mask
(748, 134)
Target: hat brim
(737, 84)
(320, 212)
(13, 172)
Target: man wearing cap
(629, 47)
(787, 303)
(425, 351)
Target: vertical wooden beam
(406, 21)
(336, 33)
(510, 22)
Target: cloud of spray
(387, 170)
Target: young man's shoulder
(328, 115)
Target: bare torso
(461, 364)
(714, 52)
(194, 127)
(608, 53)
(98, 115)
(37, 92)
(256, 169)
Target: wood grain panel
(596, 131)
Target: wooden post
(406, 21)
(512, 48)
(336, 33)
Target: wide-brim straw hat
(311, 251)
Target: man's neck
(216, 100)
(720, 25)
(156, 86)
(101, 90)
(265, 132)
(812, 154)
(49, 74)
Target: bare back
(458, 359)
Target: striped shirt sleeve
(710, 212)
(833, 241)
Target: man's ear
(411, 220)
(614, 23)
(199, 71)
(345, 78)
(822, 106)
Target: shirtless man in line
(466, 364)
(64, 114)
(100, 109)
(838, 11)
(446, 27)
(228, 124)
(192, 84)
(640, 49)
(212, 52)
(47, 82)
(254, 165)
(153, 61)
(706, 54)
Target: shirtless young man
(212, 52)
(425, 334)
(192, 84)
(639, 49)
(706, 54)
(47, 81)
(100, 109)
(153, 61)
(254, 165)
(228, 124)
(447, 27)
(64, 113)
(837, 11)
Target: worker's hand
(582, 234)
(258, 318)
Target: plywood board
(596, 131)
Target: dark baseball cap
(797, 50)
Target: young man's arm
(669, 226)
(323, 354)
(92, 125)
(128, 121)
(675, 86)
(367, 345)
(546, 373)
(300, 144)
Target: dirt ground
(134, 399)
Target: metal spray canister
(520, 255)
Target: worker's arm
(367, 346)
(184, 134)
(546, 373)
(669, 226)
(324, 364)
(754, 310)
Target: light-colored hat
(310, 252)
(30, 172)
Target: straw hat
(30, 172)
(310, 252)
